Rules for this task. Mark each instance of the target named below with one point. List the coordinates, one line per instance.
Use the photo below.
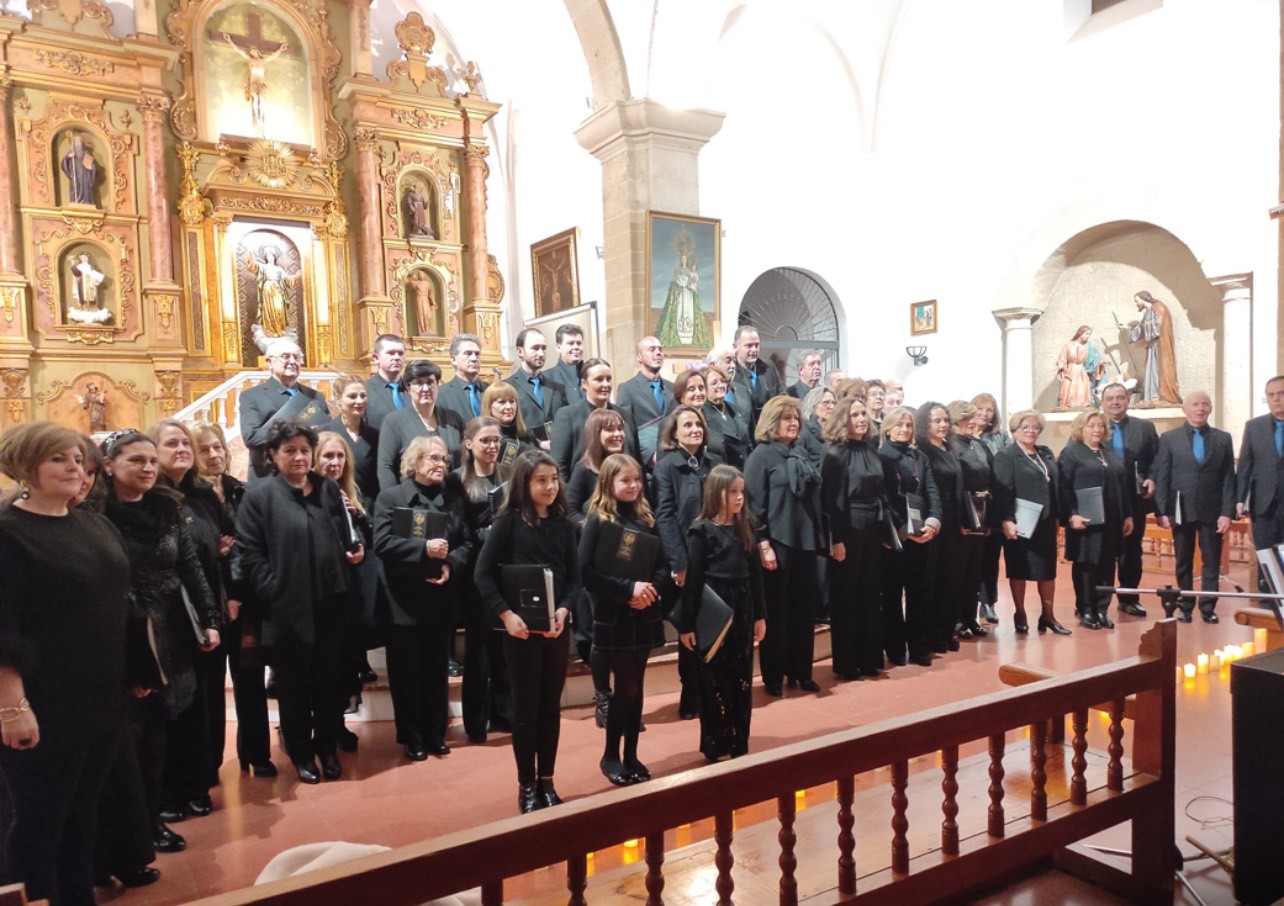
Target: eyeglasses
(437, 460)
(490, 441)
(289, 356)
(422, 385)
(1032, 429)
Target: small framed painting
(922, 317)
(555, 270)
(682, 271)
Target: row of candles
(1222, 658)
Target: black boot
(528, 798)
(602, 709)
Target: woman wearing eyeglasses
(421, 380)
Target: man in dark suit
(279, 398)
(1135, 442)
(384, 393)
(1195, 497)
(463, 392)
(1260, 490)
(808, 375)
(646, 396)
(538, 397)
(755, 381)
(570, 360)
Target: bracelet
(23, 707)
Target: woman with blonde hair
(362, 438)
(992, 437)
(975, 463)
(500, 401)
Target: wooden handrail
(483, 856)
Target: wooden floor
(384, 799)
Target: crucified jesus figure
(256, 84)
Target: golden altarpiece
(232, 172)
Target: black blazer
(947, 471)
(403, 426)
(635, 398)
(1259, 465)
(264, 404)
(1141, 443)
(1078, 468)
(728, 434)
(569, 377)
(783, 490)
(568, 435)
(768, 386)
(454, 395)
(364, 451)
(908, 472)
(379, 404)
(1016, 476)
(1208, 491)
(679, 494)
(415, 602)
(798, 390)
(533, 414)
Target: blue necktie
(1198, 446)
(1279, 438)
(472, 398)
(397, 401)
(657, 391)
(730, 397)
(753, 378)
(291, 391)
(1119, 439)
(536, 392)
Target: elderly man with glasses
(280, 398)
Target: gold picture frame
(923, 317)
(555, 273)
(683, 258)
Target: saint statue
(95, 403)
(417, 209)
(1079, 368)
(1155, 329)
(85, 281)
(425, 304)
(81, 171)
(273, 281)
(682, 320)
(256, 83)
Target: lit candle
(1190, 671)
(631, 844)
(1248, 649)
(1202, 663)
(800, 794)
(1259, 639)
(1232, 652)
(1179, 674)
(1216, 662)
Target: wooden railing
(1028, 832)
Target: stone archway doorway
(793, 311)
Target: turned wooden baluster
(1114, 770)
(950, 804)
(846, 839)
(900, 823)
(995, 827)
(493, 893)
(1079, 742)
(654, 864)
(577, 880)
(724, 860)
(1038, 771)
(788, 861)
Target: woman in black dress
(728, 431)
(361, 437)
(627, 620)
(1025, 478)
(1088, 463)
(296, 544)
(993, 437)
(910, 572)
(853, 495)
(533, 529)
(784, 502)
(933, 435)
(423, 575)
(422, 418)
(974, 460)
(723, 556)
(62, 664)
(571, 422)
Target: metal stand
(1223, 858)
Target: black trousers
(1087, 577)
(309, 696)
(787, 649)
(149, 734)
(1129, 561)
(187, 753)
(907, 600)
(249, 695)
(969, 573)
(1210, 547)
(485, 696)
(211, 686)
(989, 585)
(855, 605)
(56, 788)
(537, 669)
(418, 658)
(125, 826)
(948, 574)
(1268, 531)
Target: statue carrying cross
(257, 54)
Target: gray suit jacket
(269, 402)
(379, 400)
(453, 395)
(1206, 491)
(1259, 465)
(533, 414)
(569, 377)
(635, 399)
(568, 435)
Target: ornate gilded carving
(231, 346)
(471, 76)
(436, 170)
(14, 381)
(39, 138)
(84, 222)
(270, 204)
(193, 207)
(72, 11)
(75, 63)
(10, 301)
(419, 118)
(367, 139)
(169, 391)
(336, 218)
(416, 40)
(165, 305)
(487, 323)
(494, 281)
(115, 240)
(153, 107)
(271, 164)
(91, 336)
(323, 343)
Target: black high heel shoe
(1056, 628)
(547, 794)
(1021, 624)
(258, 769)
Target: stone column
(475, 173)
(649, 155)
(1018, 358)
(1234, 397)
(153, 107)
(375, 306)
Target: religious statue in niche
(94, 402)
(682, 320)
(1080, 368)
(86, 284)
(416, 205)
(81, 170)
(425, 303)
(272, 282)
(1155, 330)
(256, 82)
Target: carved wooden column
(475, 173)
(375, 305)
(10, 254)
(15, 343)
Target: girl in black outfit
(784, 502)
(533, 529)
(485, 697)
(722, 552)
(1025, 470)
(1089, 461)
(296, 544)
(974, 461)
(62, 671)
(626, 613)
(932, 434)
(910, 571)
(854, 497)
(422, 576)
(728, 433)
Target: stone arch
(602, 51)
(793, 309)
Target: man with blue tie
(1260, 492)
(1135, 442)
(1195, 497)
(463, 392)
(279, 398)
(538, 397)
(646, 396)
(384, 393)
(757, 381)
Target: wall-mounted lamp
(917, 353)
(601, 251)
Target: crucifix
(257, 53)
